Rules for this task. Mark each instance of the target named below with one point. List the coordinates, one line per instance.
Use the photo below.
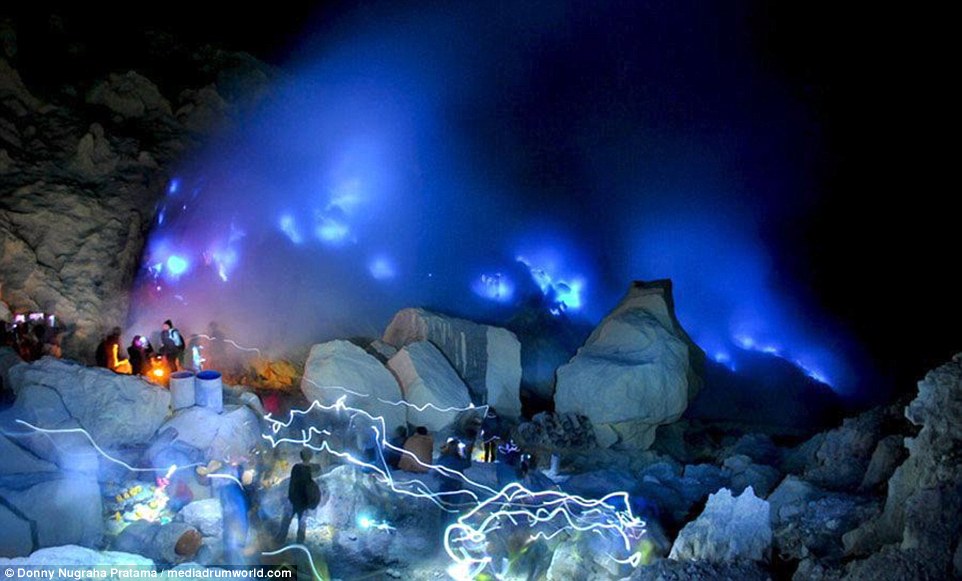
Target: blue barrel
(182, 389)
(210, 390)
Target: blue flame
(496, 287)
(289, 227)
(177, 265)
(382, 268)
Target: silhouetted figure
(303, 493)
(171, 345)
(491, 435)
(392, 456)
(139, 353)
(452, 458)
(234, 506)
(421, 446)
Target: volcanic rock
(730, 528)
(47, 509)
(230, 435)
(130, 95)
(74, 557)
(429, 383)
(337, 368)
(117, 410)
(487, 358)
(923, 508)
(635, 371)
(204, 515)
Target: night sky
(824, 130)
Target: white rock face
(426, 378)
(204, 515)
(488, 359)
(117, 410)
(729, 528)
(633, 373)
(65, 509)
(75, 557)
(223, 436)
(336, 366)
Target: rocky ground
(877, 497)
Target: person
(303, 494)
(491, 429)
(171, 345)
(139, 353)
(392, 454)
(453, 459)
(420, 447)
(115, 362)
(234, 506)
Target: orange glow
(158, 370)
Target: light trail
(299, 547)
(464, 540)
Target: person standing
(303, 493)
(171, 345)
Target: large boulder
(117, 410)
(201, 434)
(487, 358)
(635, 371)
(47, 509)
(730, 528)
(339, 368)
(430, 385)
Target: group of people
(135, 359)
(32, 337)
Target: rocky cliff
(82, 168)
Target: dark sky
(865, 236)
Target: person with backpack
(303, 493)
(171, 345)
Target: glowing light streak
(101, 451)
(514, 503)
(228, 341)
(298, 547)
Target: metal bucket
(182, 389)
(210, 390)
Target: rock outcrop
(116, 410)
(199, 434)
(729, 529)
(488, 359)
(430, 384)
(339, 369)
(78, 558)
(635, 371)
(920, 527)
(82, 172)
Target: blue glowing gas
(495, 287)
(177, 265)
(404, 151)
(382, 268)
(289, 227)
